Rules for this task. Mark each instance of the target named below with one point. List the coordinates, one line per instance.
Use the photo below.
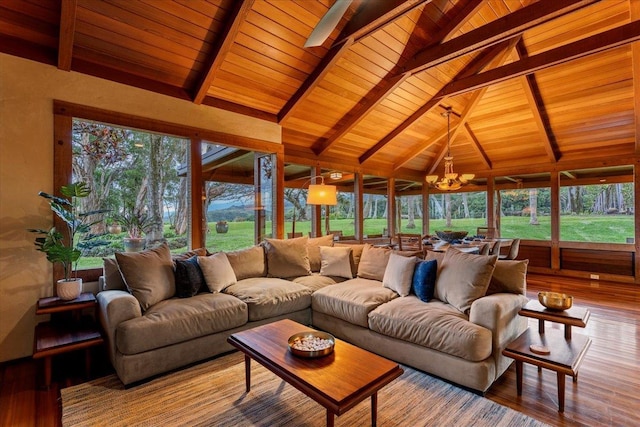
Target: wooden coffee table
(564, 358)
(338, 381)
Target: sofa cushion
(509, 276)
(438, 256)
(335, 262)
(424, 280)
(148, 274)
(313, 248)
(112, 276)
(287, 258)
(189, 278)
(268, 297)
(373, 262)
(463, 278)
(315, 281)
(351, 300)
(217, 271)
(176, 320)
(399, 273)
(186, 255)
(248, 262)
(354, 257)
(434, 325)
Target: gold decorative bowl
(328, 340)
(555, 300)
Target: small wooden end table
(575, 316)
(59, 336)
(564, 358)
(336, 382)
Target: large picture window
(457, 211)
(526, 213)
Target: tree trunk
(411, 212)
(154, 195)
(533, 206)
(447, 208)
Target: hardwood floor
(607, 392)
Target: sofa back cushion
(217, 271)
(509, 276)
(248, 262)
(112, 276)
(463, 278)
(354, 257)
(335, 262)
(373, 262)
(287, 258)
(313, 249)
(148, 274)
(399, 273)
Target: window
(457, 211)
(526, 213)
(599, 212)
(409, 214)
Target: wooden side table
(575, 316)
(59, 336)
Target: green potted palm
(63, 247)
(136, 224)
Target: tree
(533, 206)
(411, 212)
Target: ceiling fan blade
(328, 23)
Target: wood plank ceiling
(534, 85)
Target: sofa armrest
(499, 314)
(115, 307)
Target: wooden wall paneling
(597, 261)
(538, 256)
(555, 220)
(197, 217)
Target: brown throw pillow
(509, 276)
(148, 274)
(313, 248)
(248, 262)
(463, 278)
(373, 262)
(354, 257)
(287, 258)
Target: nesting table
(566, 352)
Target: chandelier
(450, 181)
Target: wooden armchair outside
(409, 242)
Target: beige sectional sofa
(356, 292)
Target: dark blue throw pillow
(189, 277)
(424, 279)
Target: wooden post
(491, 204)
(555, 220)
(316, 211)
(197, 216)
(391, 206)
(62, 173)
(278, 192)
(358, 189)
(425, 209)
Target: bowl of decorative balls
(311, 344)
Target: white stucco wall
(27, 91)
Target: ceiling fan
(327, 23)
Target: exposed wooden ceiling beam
(634, 10)
(229, 158)
(569, 175)
(503, 53)
(68, 9)
(375, 15)
(312, 81)
(532, 92)
(476, 145)
(606, 40)
(219, 53)
(510, 25)
(389, 85)
(477, 64)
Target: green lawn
(597, 228)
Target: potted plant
(136, 225)
(222, 227)
(114, 227)
(61, 248)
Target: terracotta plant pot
(69, 289)
(115, 229)
(222, 227)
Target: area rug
(213, 394)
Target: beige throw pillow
(463, 278)
(399, 274)
(287, 258)
(248, 262)
(313, 247)
(373, 262)
(335, 262)
(509, 276)
(217, 271)
(148, 274)
(354, 257)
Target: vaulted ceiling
(532, 84)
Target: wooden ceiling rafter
(477, 146)
(375, 15)
(597, 43)
(68, 11)
(390, 84)
(534, 98)
(497, 55)
(508, 26)
(217, 56)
